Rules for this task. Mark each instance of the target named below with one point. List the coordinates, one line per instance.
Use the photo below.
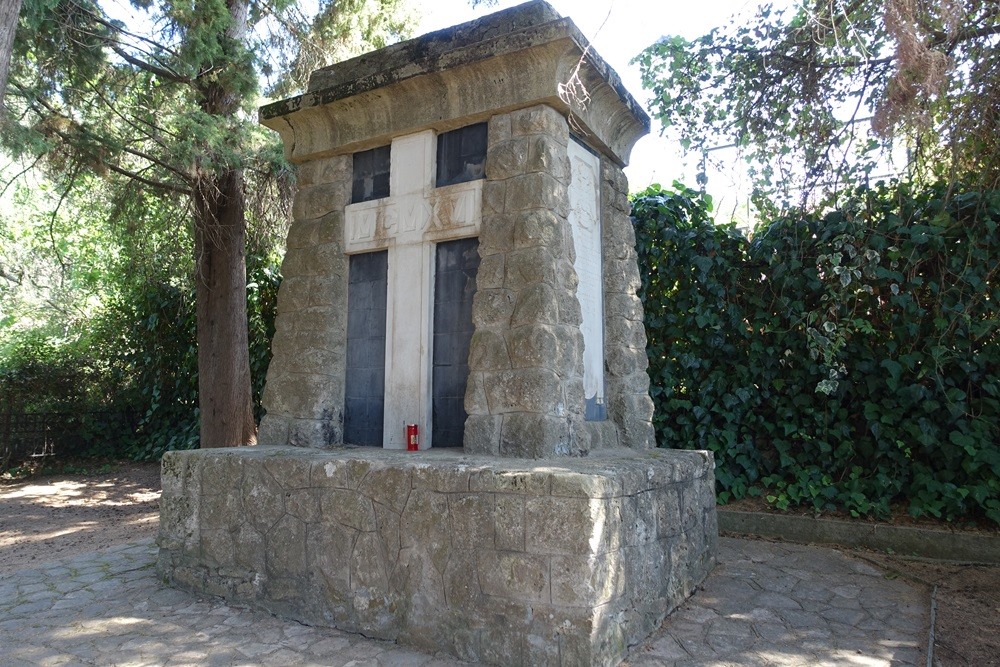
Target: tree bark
(224, 388)
(9, 10)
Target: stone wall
(304, 394)
(486, 559)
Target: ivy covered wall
(849, 360)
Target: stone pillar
(629, 406)
(304, 395)
(525, 386)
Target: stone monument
(461, 259)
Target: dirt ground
(47, 518)
(50, 517)
(967, 627)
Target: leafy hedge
(849, 360)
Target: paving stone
(738, 619)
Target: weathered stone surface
(319, 200)
(491, 274)
(494, 196)
(528, 267)
(548, 154)
(499, 129)
(535, 346)
(509, 522)
(537, 304)
(488, 352)
(507, 159)
(325, 170)
(541, 119)
(502, 560)
(539, 227)
(527, 389)
(624, 306)
(492, 307)
(482, 434)
(475, 395)
(531, 435)
(498, 236)
(536, 190)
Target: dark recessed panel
(461, 155)
(371, 175)
(364, 396)
(454, 286)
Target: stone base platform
(504, 561)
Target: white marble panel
(585, 221)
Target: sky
(619, 30)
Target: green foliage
(847, 360)
(157, 338)
(794, 91)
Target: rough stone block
(514, 575)
(482, 434)
(475, 395)
(472, 519)
(539, 227)
(535, 390)
(535, 346)
(492, 307)
(488, 352)
(443, 479)
(273, 430)
(535, 190)
(528, 267)
(325, 170)
(537, 304)
(624, 306)
(302, 234)
(498, 236)
(545, 153)
(623, 361)
(494, 198)
(285, 547)
(507, 159)
(541, 119)
(499, 129)
(556, 525)
(348, 508)
(530, 435)
(587, 581)
(509, 522)
(319, 200)
(327, 431)
(491, 273)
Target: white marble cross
(409, 222)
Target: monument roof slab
(512, 59)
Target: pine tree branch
(146, 181)
(149, 67)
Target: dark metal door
(454, 286)
(364, 395)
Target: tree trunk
(224, 393)
(224, 388)
(9, 10)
